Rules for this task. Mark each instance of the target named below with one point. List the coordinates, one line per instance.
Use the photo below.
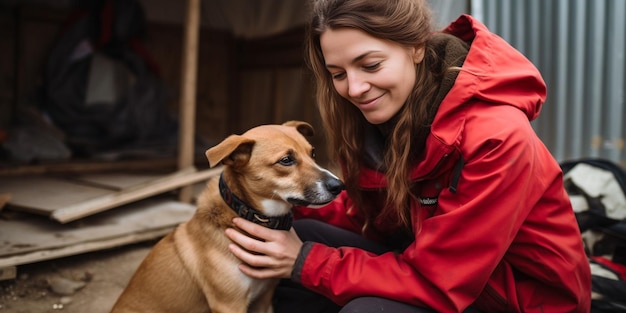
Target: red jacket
(502, 236)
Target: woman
(452, 202)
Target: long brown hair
(405, 22)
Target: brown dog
(267, 170)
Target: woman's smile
(369, 104)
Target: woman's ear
(417, 54)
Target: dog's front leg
(229, 308)
(263, 303)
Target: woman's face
(375, 75)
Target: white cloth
(597, 182)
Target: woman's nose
(357, 85)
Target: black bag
(597, 189)
(100, 87)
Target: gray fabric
(297, 268)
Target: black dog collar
(282, 222)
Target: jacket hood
(494, 71)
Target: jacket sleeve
(339, 213)
(457, 249)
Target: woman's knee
(310, 230)
(376, 304)
(333, 236)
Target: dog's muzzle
(321, 194)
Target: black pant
(291, 297)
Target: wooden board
(68, 199)
(43, 195)
(117, 181)
(30, 238)
(7, 273)
(4, 198)
(166, 183)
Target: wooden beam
(148, 189)
(28, 238)
(77, 166)
(9, 272)
(4, 198)
(188, 92)
(108, 243)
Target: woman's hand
(272, 255)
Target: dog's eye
(313, 153)
(287, 160)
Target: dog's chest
(254, 287)
(259, 287)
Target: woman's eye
(338, 75)
(287, 160)
(372, 67)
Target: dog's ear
(234, 150)
(303, 127)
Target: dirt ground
(88, 282)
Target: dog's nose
(333, 185)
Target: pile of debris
(43, 217)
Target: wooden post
(188, 93)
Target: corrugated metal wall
(578, 45)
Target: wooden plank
(44, 195)
(117, 181)
(30, 238)
(107, 243)
(90, 167)
(4, 199)
(9, 272)
(167, 183)
(188, 92)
